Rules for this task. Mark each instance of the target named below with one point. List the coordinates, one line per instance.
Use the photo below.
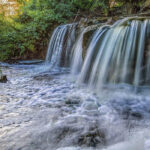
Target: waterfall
(77, 59)
(118, 54)
(60, 45)
(77, 54)
(90, 54)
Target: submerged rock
(73, 100)
(43, 77)
(77, 131)
(134, 109)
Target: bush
(28, 32)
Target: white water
(48, 111)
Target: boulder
(3, 78)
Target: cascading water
(60, 45)
(77, 59)
(118, 54)
(77, 54)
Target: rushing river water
(47, 110)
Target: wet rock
(73, 100)
(130, 113)
(43, 77)
(77, 131)
(137, 115)
(30, 62)
(131, 108)
(92, 138)
(86, 40)
(3, 78)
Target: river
(47, 110)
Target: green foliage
(28, 32)
(84, 4)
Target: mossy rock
(102, 19)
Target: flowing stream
(48, 111)
(44, 107)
